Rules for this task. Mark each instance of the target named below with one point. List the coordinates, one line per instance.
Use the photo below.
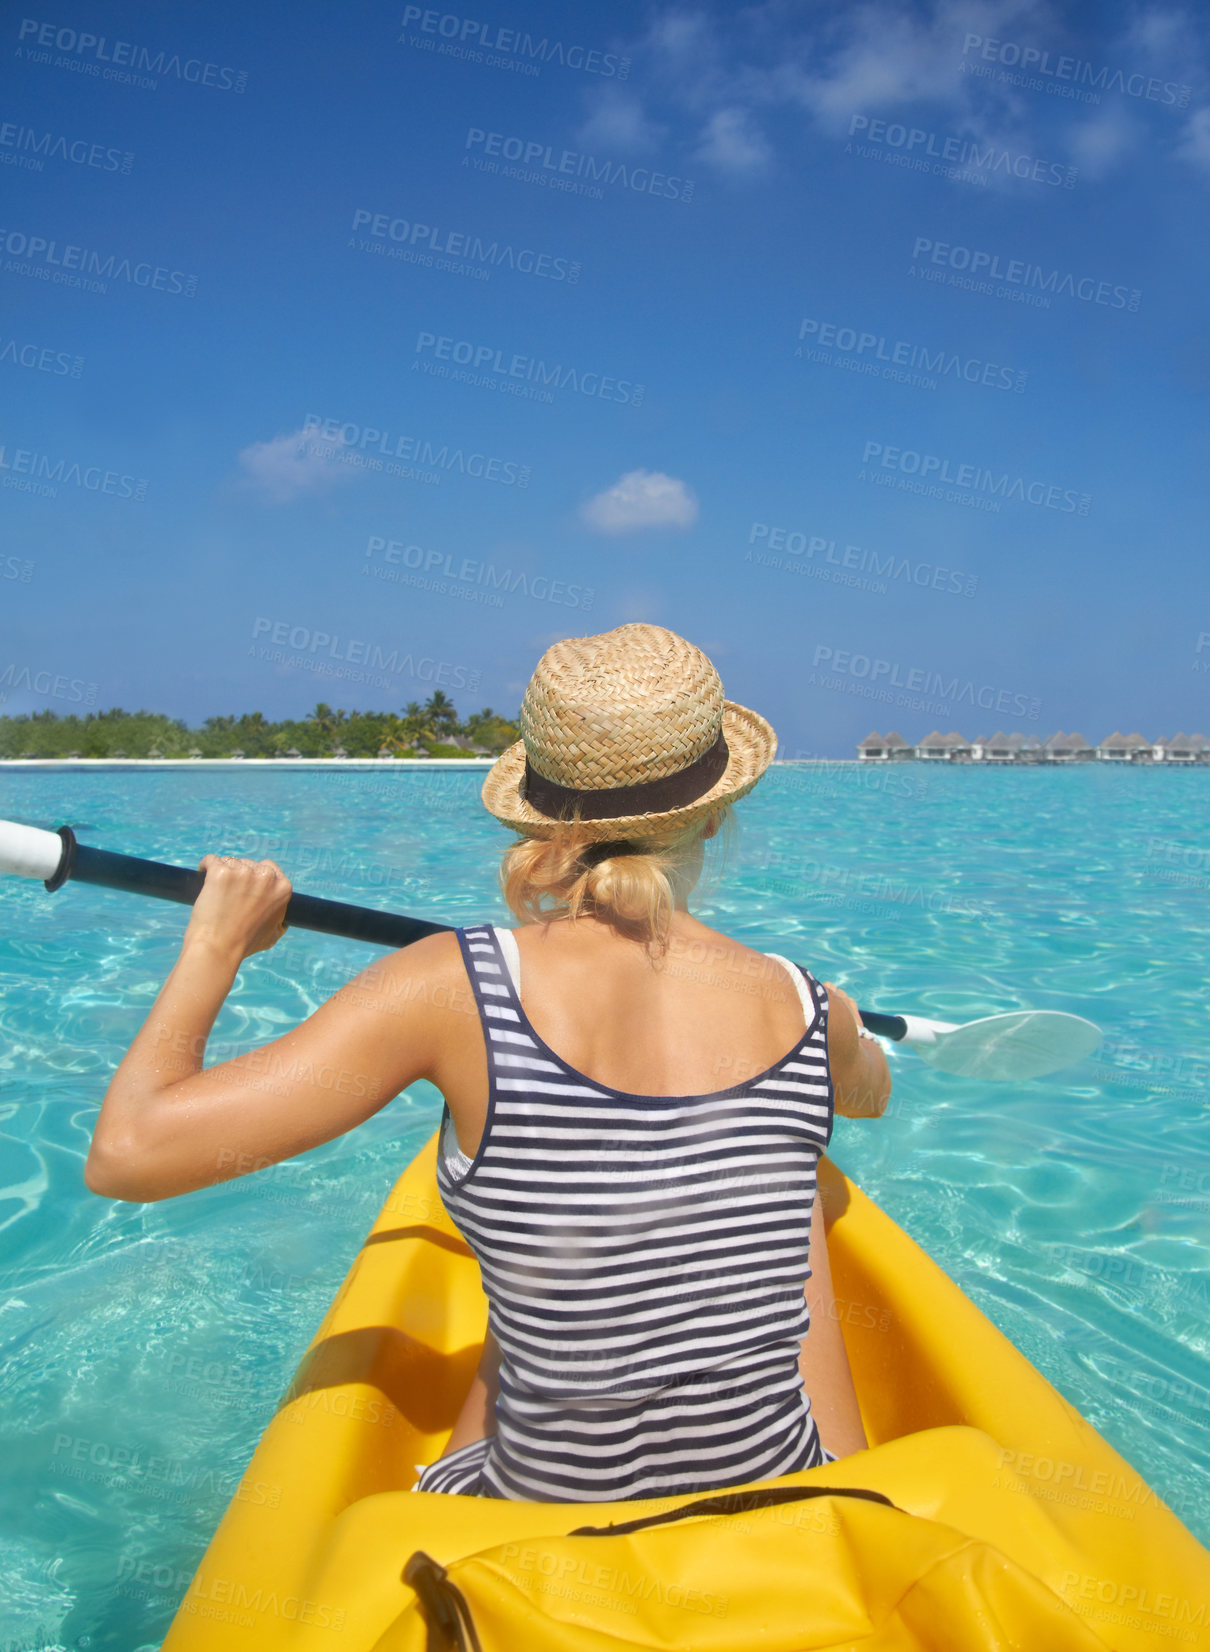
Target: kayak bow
(965, 1435)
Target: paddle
(1017, 1045)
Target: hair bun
(626, 882)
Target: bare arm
(824, 1361)
(861, 1079)
(167, 1125)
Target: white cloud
(688, 51)
(1165, 34)
(1195, 140)
(1097, 145)
(881, 59)
(291, 467)
(873, 57)
(889, 58)
(641, 499)
(617, 123)
(685, 37)
(733, 144)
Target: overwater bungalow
(878, 748)
(991, 748)
(1027, 748)
(1124, 748)
(1182, 748)
(1067, 748)
(938, 747)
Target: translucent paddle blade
(1022, 1044)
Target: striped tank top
(644, 1260)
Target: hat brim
(751, 747)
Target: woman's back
(707, 1015)
(643, 1253)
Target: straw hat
(631, 729)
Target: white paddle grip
(28, 851)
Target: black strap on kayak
(735, 1502)
(447, 1617)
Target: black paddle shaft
(354, 923)
(886, 1026)
(177, 883)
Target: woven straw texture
(631, 705)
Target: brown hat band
(671, 791)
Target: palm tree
(326, 720)
(441, 712)
(415, 723)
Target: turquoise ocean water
(144, 1347)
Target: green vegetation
(431, 729)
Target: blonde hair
(629, 884)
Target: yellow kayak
(966, 1437)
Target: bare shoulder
(426, 975)
(695, 940)
(726, 959)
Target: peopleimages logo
(49, 262)
(1173, 1616)
(313, 650)
(1032, 60)
(23, 462)
(94, 49)
(461, 244)
(17, 677)
(41, 358)
(932, 468)
(474, 38)
(475, 580)
(52, 146)
(861, 560)
(555, 167)
(987, 159)
(879, 677)
(529, 369)
(361, 438)
(870, 349)
(971, 264)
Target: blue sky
(817, 142)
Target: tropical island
(433, 729)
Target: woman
(642, 1202)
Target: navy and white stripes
(644, 1260)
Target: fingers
(258, 880)
(223, 864)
